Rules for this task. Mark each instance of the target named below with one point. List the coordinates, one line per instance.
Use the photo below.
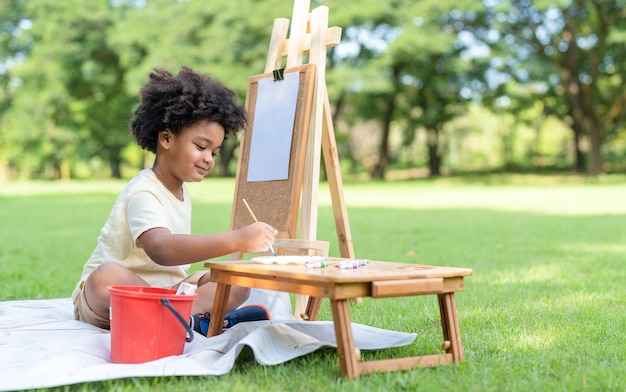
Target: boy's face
(191, 153)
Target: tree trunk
(434, 156)
(581, 96)
(114, 164)
(227, 152)
(580, 163)
(596, 163)
(584, 122)
(383, 150)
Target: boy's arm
(166, 248)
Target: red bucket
(148, 323)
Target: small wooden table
(377, 279)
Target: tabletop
(372, 271)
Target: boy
(147, 238)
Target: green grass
(544, 309)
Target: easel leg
(218, 312)
(300, 307)
(335, 184)
(348, 361)
(450, 325)
(313, 308)
(333, 172)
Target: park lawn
(543, 310)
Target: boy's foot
(255, 312)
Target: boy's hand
(257, 237)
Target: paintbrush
(256, 220)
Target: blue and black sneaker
(200, 322)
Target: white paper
(42, 346)
(186, 289)
(272, 129)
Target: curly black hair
(176, 102)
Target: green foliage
(563, 53)
(404, 73)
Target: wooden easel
(310, 33)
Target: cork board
(273, 192)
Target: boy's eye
(201, 148)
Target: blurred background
(418, 88)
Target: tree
(72, 87)
(582, 42)
(358, 76)
(436, 69)
(408, 69)
(211, 37)
(13, 48)
(80, 82)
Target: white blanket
(41, 345)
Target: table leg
(348, 361)
(450, 325)
(218, 311)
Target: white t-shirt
(142, 205)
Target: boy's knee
(109, 267)
(112, 273)
(240, 294)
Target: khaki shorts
(83, 312)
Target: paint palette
(287, 259)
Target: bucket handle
(166, 302)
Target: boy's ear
(164, 138)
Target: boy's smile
(188, 156)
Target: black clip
(279, 74)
